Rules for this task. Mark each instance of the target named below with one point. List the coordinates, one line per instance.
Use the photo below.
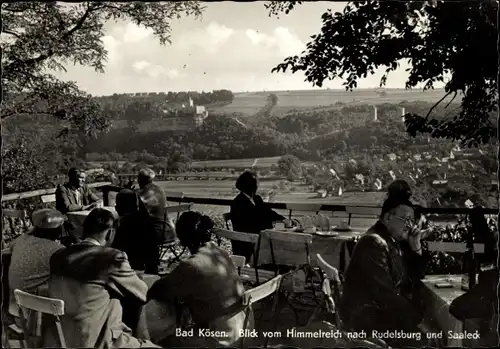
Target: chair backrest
(303, 207)
(297, 238)
(41, 304)
(48, 198)
(236, 235)
(239, 261)
(262, 291)
(330, 274)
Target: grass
(237, 163)
(249, 103)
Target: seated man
(92, 279)
(153, 201)
(74, 196)
(29, 268)
(386, 265)
(31, 252)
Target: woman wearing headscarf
(249, 214)
(207, 283)
(386, 262)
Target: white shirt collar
(93, 241)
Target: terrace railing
(106, 188)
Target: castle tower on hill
(186, 117)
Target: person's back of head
(127, 202)
(99, 225)
(247, 183)
(145, 176)
(194, 230)
(48, 223)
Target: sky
(233, 46)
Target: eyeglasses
(409, 221)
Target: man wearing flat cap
(30, 261)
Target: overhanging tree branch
(436, 104)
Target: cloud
(210, 39)
(155, 70)
(112, 46)
(281, 39)
(133, 33)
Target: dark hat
(47, 218)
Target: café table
(78, 217)
(436, 302)
(333, 249)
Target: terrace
(359, 216)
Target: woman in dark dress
(249, 214)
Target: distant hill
(249, 103)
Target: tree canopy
(40, 37)
(444, 41)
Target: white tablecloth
(437, 305)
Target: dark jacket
(133, 238)
(249, 218)
(481, 302)
(378, 284)
(66, 200)
(154, 202)
(92, 280)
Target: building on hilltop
(185, 117)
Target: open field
(201, 188)
(251, 102)
(266, 162)
(237, 163)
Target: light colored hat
(47, 218)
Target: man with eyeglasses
(385, 265)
